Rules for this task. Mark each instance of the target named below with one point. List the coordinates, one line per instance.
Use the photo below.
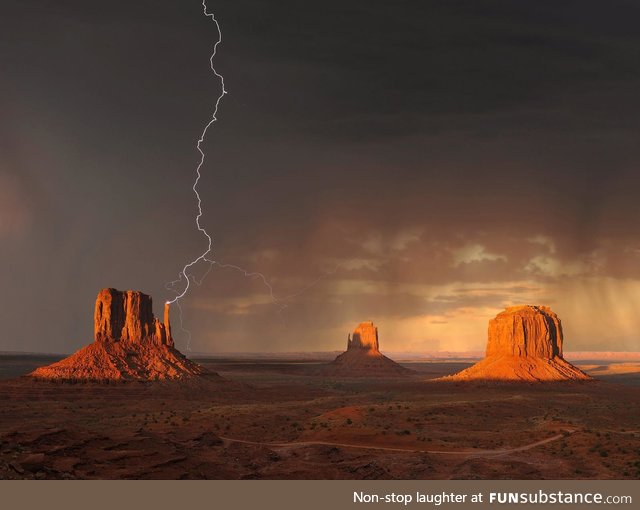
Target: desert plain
(283, 417)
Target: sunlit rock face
(525, 331)
(365, 336)
(524, 343)
(128, 317)
(363, 357)
(130, 344)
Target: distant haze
(425, 163)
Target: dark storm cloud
(391, 70)
(444, 155)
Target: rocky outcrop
(365, 337)
(533, 331)
(363, 357)
(130, 344)
(128, 317)
(524, 344)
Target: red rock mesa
(363, 357)
(524, 344)
(130, 344)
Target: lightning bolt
(184, 275)
(214, 117)
(281, 301)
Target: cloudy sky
(419, 164)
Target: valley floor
(273, 419)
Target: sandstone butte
(363, 357)
(524, 344)
(130, 344)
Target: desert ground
(270, 418)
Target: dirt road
(468, 452)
